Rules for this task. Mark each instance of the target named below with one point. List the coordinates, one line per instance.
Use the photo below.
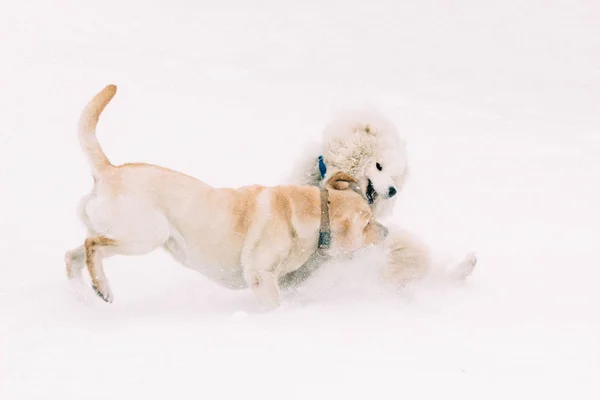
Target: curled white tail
(87, 130)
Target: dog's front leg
(263, 284)
(260, 272)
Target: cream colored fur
(354, 142)
(246, 237)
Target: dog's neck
(325, 228)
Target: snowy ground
(499, 103)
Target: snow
(499, 103)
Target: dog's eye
(379, 167)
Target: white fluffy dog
(364, 144)
(367, 145)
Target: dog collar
(325, 229)
(322, 167)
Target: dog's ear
(341, 181)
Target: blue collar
(322, 167)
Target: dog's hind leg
(100, 247)
(97, 248)
(74, 262)
(75, 259)
(124, 225)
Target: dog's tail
(87, 130)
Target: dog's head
(351, 219)
(367, 146)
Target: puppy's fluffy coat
(246, 237)
(367, 145)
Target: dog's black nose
(391, 191)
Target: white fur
(348, 146)
(354, 142)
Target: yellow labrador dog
(246, 237)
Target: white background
(499, 103)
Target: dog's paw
(104, 293)
(269, 304)
(268, 300)
(465, 268)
